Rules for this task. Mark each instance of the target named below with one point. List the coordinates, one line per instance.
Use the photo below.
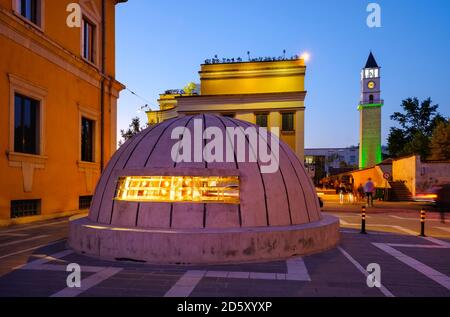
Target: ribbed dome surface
(284, 198)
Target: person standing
(369, 189)
(361, 194)
(342, 192)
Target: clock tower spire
(370, 115)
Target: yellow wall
(375, 173)
(405, 170)
(45, 59)
(253, 78)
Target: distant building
(267, 92)
(58, 114)
(404, 178)
(326, 162)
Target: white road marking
(443, 229)
(218, 274)
(438, 242)
(260, 276)
(102, 273)
(34, 264)
(405, 230)
(34, 227)
(383, 289)
(186, 284)
(241, 275)
(88, 283)
(429, 272)
(424, 246)
(21, 241)
(62, 268)
(13, 235)
(412, 219)
(297, 271)
(28, 250)
(368, 225)
(371, 233)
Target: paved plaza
(34, 258)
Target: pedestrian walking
(369, 190)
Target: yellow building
(270, 93)
(58, 97)
(167, 105)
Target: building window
(87, 140)
(88, 40)
(26, 125)
(84, 202)
(288, 122)
(371, 98)
(25, 208)
(30, 10)
(309, 160)
(262, 120)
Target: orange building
(58, 105)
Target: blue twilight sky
(161, 44)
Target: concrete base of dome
(207, 246)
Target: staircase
(399, 192)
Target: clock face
(371, 85)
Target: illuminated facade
(269, 93)
(58, 96)
(370, 151)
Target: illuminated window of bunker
(188, 189)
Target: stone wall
(420, 177)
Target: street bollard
(423, 215)
(363, 224)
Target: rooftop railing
(217, 60)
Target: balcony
(372, 102)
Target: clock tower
(370, 115)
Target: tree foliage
(440, 142)
(133, 129)
(417, 123)
(190, 88)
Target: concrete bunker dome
(149, 208)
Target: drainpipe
(102, 88)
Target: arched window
(371, 98)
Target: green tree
(417, 123)
(133, 129)
(440, 142)
(190, 88)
